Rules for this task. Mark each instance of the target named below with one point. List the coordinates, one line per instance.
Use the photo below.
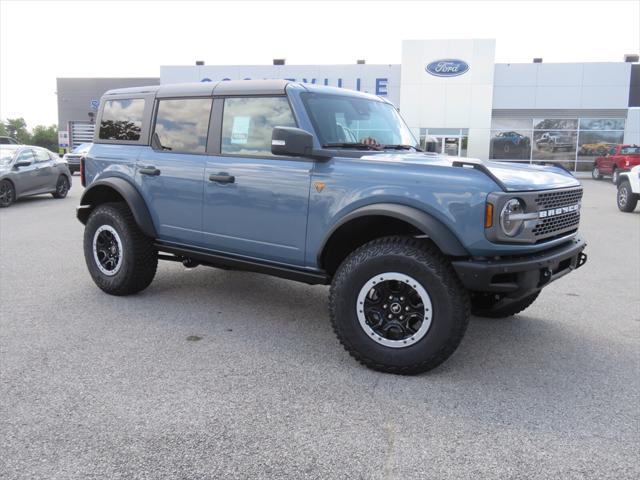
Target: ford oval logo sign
(449, 67)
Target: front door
(26, 179)
(170, 173)
(255, 204)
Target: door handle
(150, 170)
(222, 178)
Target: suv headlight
(511, 217)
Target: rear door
(255, 204)
(170, 173)
(46, 172)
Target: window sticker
(240, 130)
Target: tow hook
(582, 259)
(545, 276)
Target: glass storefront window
(554, 145)
(555, 123)
(592, 144)
(602, 124)
(510, 145)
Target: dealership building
(451, 93)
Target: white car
(628, 189)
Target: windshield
(82, 148)
(6, 155)
(340, 120)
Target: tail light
(82, 179)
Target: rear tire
(433, 302)
(7, 193)
(595, 173)
(614, 175)
(626, 200)
(120, 258)
(480, 308)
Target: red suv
(617, 159)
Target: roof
(231, 87)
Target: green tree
(46, 137)
(17, 128)
(3, 130)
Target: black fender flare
(98, 191)
(431, 227)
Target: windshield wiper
(401, 147)
(356, 145)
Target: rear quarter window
(122, 119)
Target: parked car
(27, 170)
(554, 141)
(75, 157)
(258, 175)
(628, 189)
(618, 159)
(8, 141)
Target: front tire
(626, 200)
(397, 306)
(120, 258)
(7, 193)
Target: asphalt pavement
(212, 374)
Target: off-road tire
(480, 309)
(625, 199)
(8, 193)
(424, 263)
(62, 187)
(595, 173)
(140, 258)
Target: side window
(612, 151)
(42, 155)
(182, 124)
(247, 123)
(26, 155)
(122, 119)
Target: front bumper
(516, 277)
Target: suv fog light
(511, 220)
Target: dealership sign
(449, 67)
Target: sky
(40, 41)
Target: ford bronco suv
(325, 186)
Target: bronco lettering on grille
(558, 211)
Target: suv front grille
(562, 222)
(561, 198)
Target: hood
(516, 177)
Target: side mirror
(291, 141)
(22, 163)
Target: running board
(220, 260)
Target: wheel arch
(117, 190)
(380, 220)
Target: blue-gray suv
(324, 186)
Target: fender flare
(433, 228)
(92, 197)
